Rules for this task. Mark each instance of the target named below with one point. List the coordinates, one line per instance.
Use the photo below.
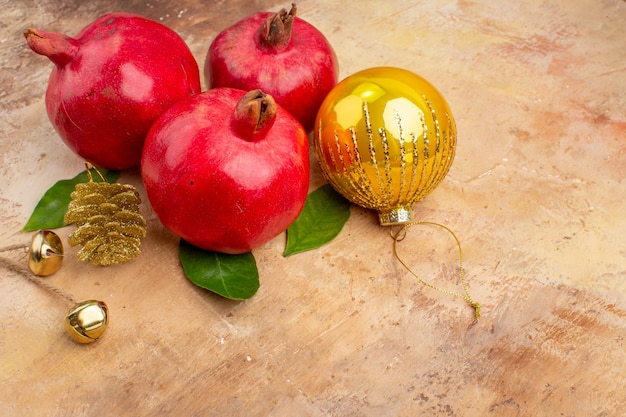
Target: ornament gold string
(400, 234)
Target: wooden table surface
(536, 195)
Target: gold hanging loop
(88, 166)
(400, 234)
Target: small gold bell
(45, 254)
(87, 321)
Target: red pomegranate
(279, 53)
(226, 170)
(111, 82)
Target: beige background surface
(536, 195)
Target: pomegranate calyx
(58, 47)
(275, 33)
(254, 112)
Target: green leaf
(323, 216)
(231, 276)
(49, 212)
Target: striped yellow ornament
(385, 138)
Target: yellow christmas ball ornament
(385, 138)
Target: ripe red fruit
(226, 170)
(111, 82)
(280, 54)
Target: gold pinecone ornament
(107, 219)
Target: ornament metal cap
(45, 254)
(87, 321)
(397, 216)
